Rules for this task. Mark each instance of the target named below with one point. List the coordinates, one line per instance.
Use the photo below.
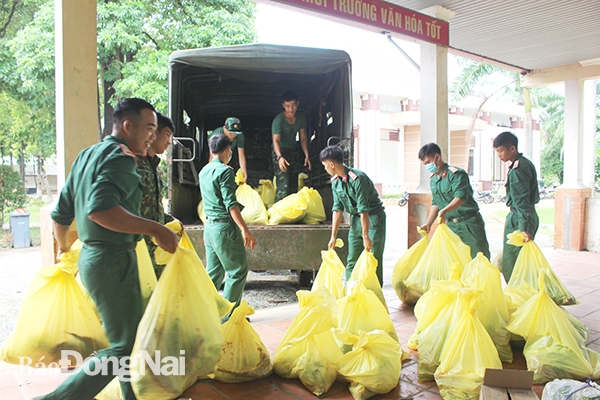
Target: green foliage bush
(12, 190)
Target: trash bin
(19, 227)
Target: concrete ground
(577, 270)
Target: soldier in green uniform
(233, 130)
(103, 195)
(521, 196)
(453, 201)
(226, 234)
(152, 185)
(287, 158)
(355, 193)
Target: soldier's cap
(233, 125)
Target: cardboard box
(505, 384)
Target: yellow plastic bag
(315, 211)
(373, 366)
(444, 249)
(244, 357)
(517, 296)
(361, 310)
(530, 263)
(468, 351)
(301, 178)
(365, 271)
(431, 304)
(224, 306)
(317, 367)
(267, 192)
(407, 263)
(432, 337)
(317, 315)
(146, 272)
(554, 348)
(331, 271)
(55, 316)
(112, 391)
(180, 321)
(201, 213)
(493, 311)
(254, 212)
(289, 210)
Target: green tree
(552, 117)
(136, 38)
(12, 190)
(477, 74)
(29, 90)
(507, 83)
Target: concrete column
(371, 139)
(76, 81)
(589, 133)
(570, 201)
(573, 145)
(434, 103)
(434, 127)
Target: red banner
(381, 14)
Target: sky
(377, 65)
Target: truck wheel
(305, 278)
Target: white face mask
(230, 156)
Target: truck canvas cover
(247, 81)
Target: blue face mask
(431, 167)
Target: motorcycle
(404, 200)
(485, 197)
(547, 192)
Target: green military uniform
(356, 194)
(225, 251)
(521, 196)
(287, 181)
(238, 138)
(465, 221)
(152, 207)
(104, 176)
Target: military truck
(208, 85)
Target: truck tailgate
(282, 247)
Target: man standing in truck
(225, 234)
(522, 194)
(233, 130)
(287, 158)
(354, 192)
(453, 201)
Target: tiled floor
(579, 271)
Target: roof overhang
(548, 40)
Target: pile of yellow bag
(466, 321)
(304, 207)
(460, 329)
(554, 339)
(352, 338)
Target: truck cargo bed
(282, 247)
